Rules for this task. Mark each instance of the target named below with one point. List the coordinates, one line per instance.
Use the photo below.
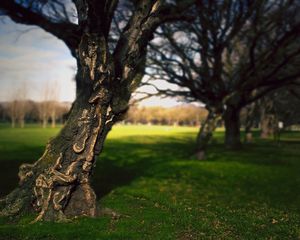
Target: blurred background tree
(234, 53)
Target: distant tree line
(180, 115)
(280, 106)
(19, 112)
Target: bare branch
(66, 31)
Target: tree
(250, 117)
(2, 112)
(268, 119)
(32, 113)
(22, 108)
(18, 106)
(43, 110)
(48, 106)
(53, 105)
(110, 66)
(12, 112)
(231, 55)
(281, 105)
(287, 104)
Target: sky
(30, 56)
(33, 59)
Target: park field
(148, 175)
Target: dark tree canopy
(231, 55)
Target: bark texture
(205, 134)
(59, 182)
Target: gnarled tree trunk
(205, 134)
(59, 182)
(231, 118)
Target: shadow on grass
(123, 160)
(126, 159)
(249, 194)
(10, 163)
(169, 157)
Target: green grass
(147, 174)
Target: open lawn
(147, 175)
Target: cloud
(36, 58)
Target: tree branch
(65, 31)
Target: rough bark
(205, 134)
(232, 127)
(59, 181)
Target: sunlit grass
(148, 175)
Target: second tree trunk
(232, 127)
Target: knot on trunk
(25, 172)
(53, 185)
(84, 131)
(100, 95)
